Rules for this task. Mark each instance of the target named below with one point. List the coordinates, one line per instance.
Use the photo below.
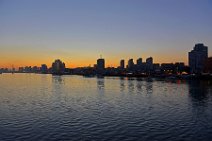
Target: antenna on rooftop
(100, 56)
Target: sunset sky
(33, 32)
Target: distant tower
(149, 64)
(139, 61)
(130, 64)
(197, 58)
(149, 60)
(100, 65)
(122, 64)
(208, 65)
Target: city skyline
(35, 32)
(133, 60)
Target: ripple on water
(42, 107)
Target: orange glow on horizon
(31, 56)
(78, 63)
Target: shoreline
(162, 77)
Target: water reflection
(139, 86)
(57, 79)
(100, 83)
(200, 98)
(199, 91)
(131, 85)
(149, 85)
(136, 84)
(122, 84)
(75, 108)
(57, 82)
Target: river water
(45, 107)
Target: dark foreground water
(44, 107)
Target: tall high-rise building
(197, 58)
(139, 61)
(122, 64)
(130, 64)
(58, 67)
(208, 65)
(149, 60)
(100, 65)
(149, 64)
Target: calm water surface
(45, 107)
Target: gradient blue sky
(33, 32)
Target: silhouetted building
(140, 66)
(139, 62)
(20, 69)
(197, 58)
(95, 66)
(100, 66)
(168, 67)
(208, 65)
(58, 67)
(44, 68)
(156, 67)
(122, 64)
(28, 69)
(179, 67)
(35, 69)
(4, 70)
(149, 64)
(130, 64)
